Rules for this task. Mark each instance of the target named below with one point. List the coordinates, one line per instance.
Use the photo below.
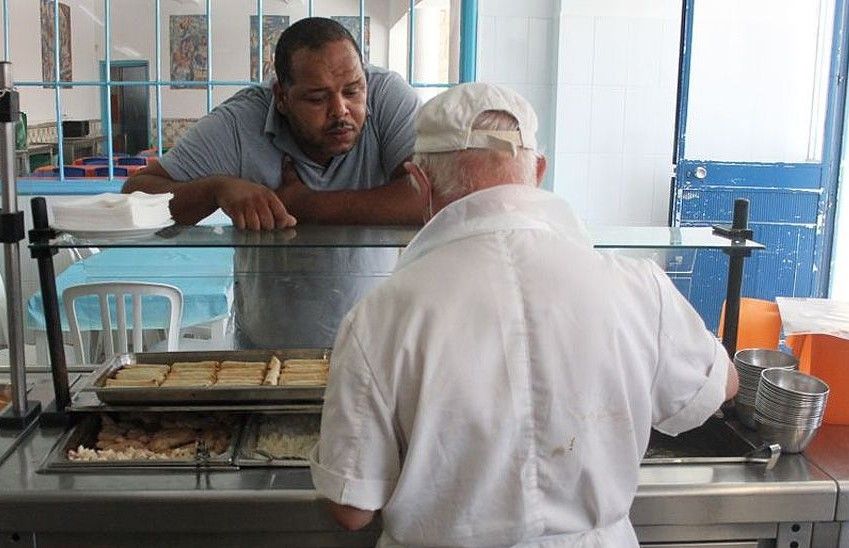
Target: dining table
(203, 275)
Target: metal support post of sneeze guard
(738, 232)
(21, 413)
(39, 237)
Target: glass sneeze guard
(341, 236)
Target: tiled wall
(517, 46)
(615, 116)
(602, 76)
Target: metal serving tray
(85, 433)
(714, 442)
(200, 395)
(305, 418)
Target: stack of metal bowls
(749, 364)
(789, 407)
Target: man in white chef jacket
(499, 388)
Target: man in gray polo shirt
(325, 143)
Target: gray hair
(455, 174)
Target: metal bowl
(746, 414)
(750, 363)
(755, 359)
(794, 384)
(791, 439)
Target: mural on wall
(48, 42)
(352, 23)
(272, 26)
(189, 52)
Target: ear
(541, 165)
(418, 178)
(280, 99)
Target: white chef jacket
(499, 388)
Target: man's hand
(350, 517)
(393, 203)
(252, 206)
(292, 191)
(248, 204)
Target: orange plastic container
(759, 325)
(827, 358)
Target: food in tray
(304, 372)
(287, 436)
(169, 436)
(131, 382)
(203, 374)
(272, 376)
(194, 365)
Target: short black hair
(312, 33)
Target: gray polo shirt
(297, 297)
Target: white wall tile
(645, 39)
(637, 189)
(486, 48)
(607, 122)
(574, 115)
(610, 66)
(576, 50)
(571, 181)
(510, 50)
(649, 121)
(542, 99)
(669, 51)
(605, 189)
(657, 9)
(662, 180)
(519, 8)
(541, 49)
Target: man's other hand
(252, 206)
(292, 190)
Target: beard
(335, 139)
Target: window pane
(755, 94)
(378, 19)
(222, 93)
(436, 58)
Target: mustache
(340, 125)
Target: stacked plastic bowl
(789, 407)
(750, 363)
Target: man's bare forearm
(192, 201)
(394, 203)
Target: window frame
(467, 73)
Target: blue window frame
(465, 50)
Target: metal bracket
(794, 534)
(42, 236)
(10, 419)
(9, 106)
(12, 227)
(733, 234)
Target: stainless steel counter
(261, 506)
(830, 451)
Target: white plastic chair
(120, 290)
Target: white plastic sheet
(800, 316)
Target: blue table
(204, 275)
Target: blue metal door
(743, 138)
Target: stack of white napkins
(113, 212)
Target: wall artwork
(352, 23)
(272, 26)
(189, 50)
(48, 42)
